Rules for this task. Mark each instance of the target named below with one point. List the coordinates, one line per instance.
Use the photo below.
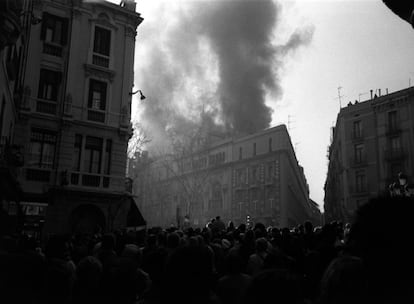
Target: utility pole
(340, 97)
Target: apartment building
(74, 113)
(255, 177)
(372, 142)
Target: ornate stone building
(74, 113)
(372, 142)
(255, 177)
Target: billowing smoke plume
(212, 62)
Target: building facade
(13, 41)
(372, 142)
(74, 113)
(253, 178)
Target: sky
(252, 64)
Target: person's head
(344, 282)
(57, 247)
(308, 227)
(134, 253)
(191, 268)
(381, 235)
(89, 272)
(108, 242)
(261, 245)
(173, 240)
(233, 263)
(281, 285)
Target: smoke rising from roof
(214, 61)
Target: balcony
(393, 130)
(95, 180)
(38, 105)
(100, 60)
(52, 49)
(394, 154)
(46, 106)
(98, 116)
(10, 155)
(38, 174)
(357, 136)
(358, 161)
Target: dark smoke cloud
(213, 61)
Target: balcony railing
(74, 111)
(100, 61)
(393, 129)
(52, 49)
(46, 106)
(96, 180)
(98, 116)
(10, 155)
(394, 154)
(357, 135)
(358, 161)
(38, 105)
(38, 174)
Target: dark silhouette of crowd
(370, 260)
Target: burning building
(253, 178)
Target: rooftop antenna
(361, 94)
(290, 123)
(340, 97)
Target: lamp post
(142, 97)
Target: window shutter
(103, 96)
(64, 36)
(91, 88)
(45, 19)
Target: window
(77, 153)
(42, 148)
(97, 95)
(392, 121)
(395, 169)
(395, 143)
(2, 111)
(270, 172)
(360, 181)
(108, 152)
(240, 153)
(101, 47)
(240, 177)
(97, 100)
(54, 29)
(255, 175)
(54, 34)
(93, 155)
(270, 144)
(357, 129)
(359, 153)
(49, 83)
(254, 149)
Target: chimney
(379, 92)
(371, 93)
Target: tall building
(253, 178)
(74, 113)
(13, 38)
(371, 143)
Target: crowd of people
(368, 261)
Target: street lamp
(142, 97)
